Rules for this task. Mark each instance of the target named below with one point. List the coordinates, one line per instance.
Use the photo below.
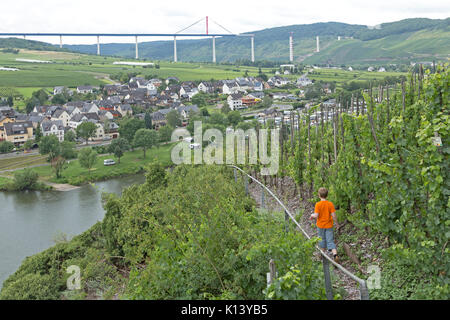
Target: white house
(151, 89)
(76, 120)
(303, 81)
(229, 87)
(62, 115)
(84, 89)
(234, 101)
(206, 87)
(56, 128)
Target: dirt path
(290, 198)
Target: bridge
(136, 35)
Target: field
(72, 70)
(131, 162)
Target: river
(30, 220)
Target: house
(188, 91)
(55, 127)
(7, 111)
(151, 89)
(235, 101)
(105, 114)
(249, 100)
(206, 87)
(158, 119)
(90, 108)
(58, 90)
(99, 132)
(62, 115)
(303, 81)
(229, 87)
(256, 95)
(111, 130)
(382, 69)
(258, 86)
(278, 81)
(84, 89)
(186, 111)
(370, 69)
(18, 133)
(125, 109)
(76, 120)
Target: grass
(130, 163)
(21, 162)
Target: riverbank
(7, 184)
(132, 162)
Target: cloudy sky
(158, 16)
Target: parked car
(109, 162)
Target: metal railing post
(262, 197)
(235, 175)
(246, 185)
(286, 221)
(364, 291)
(326, 273)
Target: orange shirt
(324, 209)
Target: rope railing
(364, 292)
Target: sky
(237, 16)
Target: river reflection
(30, 220)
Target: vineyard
(385, 162)
(193, 233)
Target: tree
(165, 133)
(225, 108)
(6, 146)
(38, 133)
(218, 118)
(148, 120)
(25, 179)
(41, 96)
(10, 101)
(50, 145)
(267, 101)
(234, 117)
(69, 136)
(68, 149)
(118, 147)
(28, 144)
(145, 138)
(173, 119)
(86, 130)
(128, 128)
(59, 99)
(199, 99)
(87, 158)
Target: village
(155, 96)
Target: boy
(325, 214)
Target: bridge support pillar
(175, 49)
(214, 49)
(98, 45)
(253, 48)
(60, 41)
(137, 52)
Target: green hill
(403, 41)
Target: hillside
(28, 44)
(402, 41)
